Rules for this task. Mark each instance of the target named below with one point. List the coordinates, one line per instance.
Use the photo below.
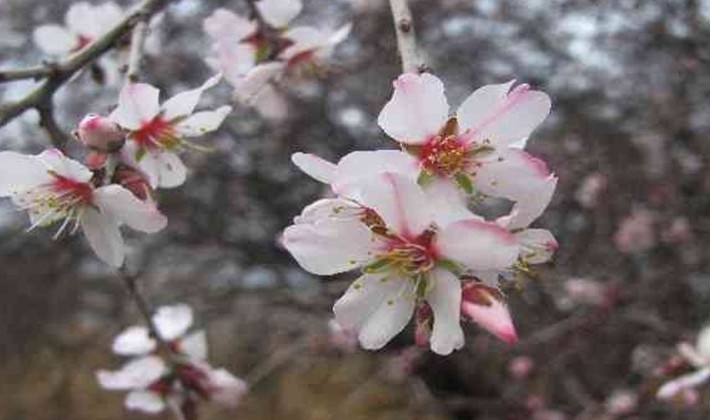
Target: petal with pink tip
(494, 318)
(122, 205)
(133, 341)
(278, 13)
(512, 175)
(512, 120)
(173, 321)
(314, 166)
(445, 301)
(477, 245)
(536, 245)
(399, 201)
(474, 110)
(137, 102)
(417, 110)
(57, 162)
(688, 381)
(356, 166)
(531, 206)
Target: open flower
(476, 148)
(155, 385)
(699, 357)
(53, 188)
(386, 226)
(156, 133)
(84, 23)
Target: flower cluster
(405, 218)
(255, 53)
(130, 153)
(176, 378)
(698, 357)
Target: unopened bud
(100, 134)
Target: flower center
(410, 258)
(443, 155)
(156, 133)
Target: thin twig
(131, 283)
(276, 360)
(56, 135)
(35, 72)
(406, 37)
(65, 69)
(136, 55)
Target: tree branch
(136, 54)
(56, 135)
(41, 97)
(36, 72)
(406, 37)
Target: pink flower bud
(485, 305)
(100, 134)
(520, 367)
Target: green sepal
(464, 182)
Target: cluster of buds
(405, 218)
(130, 153)
(176, 377)
(255, 54)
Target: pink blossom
(678, 232)
(100, 134)
(520, 367)
(699, 357)
(593, 186)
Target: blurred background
(629, 138)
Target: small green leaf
(464, 182)
(140, 153)
(424, 178)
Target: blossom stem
(144, 307)
(35, 72)
(406, 37)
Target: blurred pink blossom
(592, 187)
(520, 367)
(635, 233)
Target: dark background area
(630, 82)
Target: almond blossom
(156, 133)
(405, 256)
(478, 147)
(84, 23)
(155, 384)
(699, 357)
(53, 188)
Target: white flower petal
(690, 380)
(536, 245)
(356, 166)
(399, 201)
(122, 205)
(478, 245)
(474, 110)
(81, 18)
(137, 102)
(224, 26)
(104, 236)
(203, 122)
(531, 206)
(233, 60)
(227, 389)
(55, 160)
(703, 343)
(278, 13)
(256, 80)
(514, 119)
(445, 301)
(134, 341)
(171, 171)
(512, 176)
(448, 200)
(390, 316)
(317, 240)
(145, 401)
(182, 104)
(173, 321)
(19, 173)
(314, 166)
(304, 38)
(417, 110)
(136, 374)
(149, 164)
(194, 345)
(54, 39)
